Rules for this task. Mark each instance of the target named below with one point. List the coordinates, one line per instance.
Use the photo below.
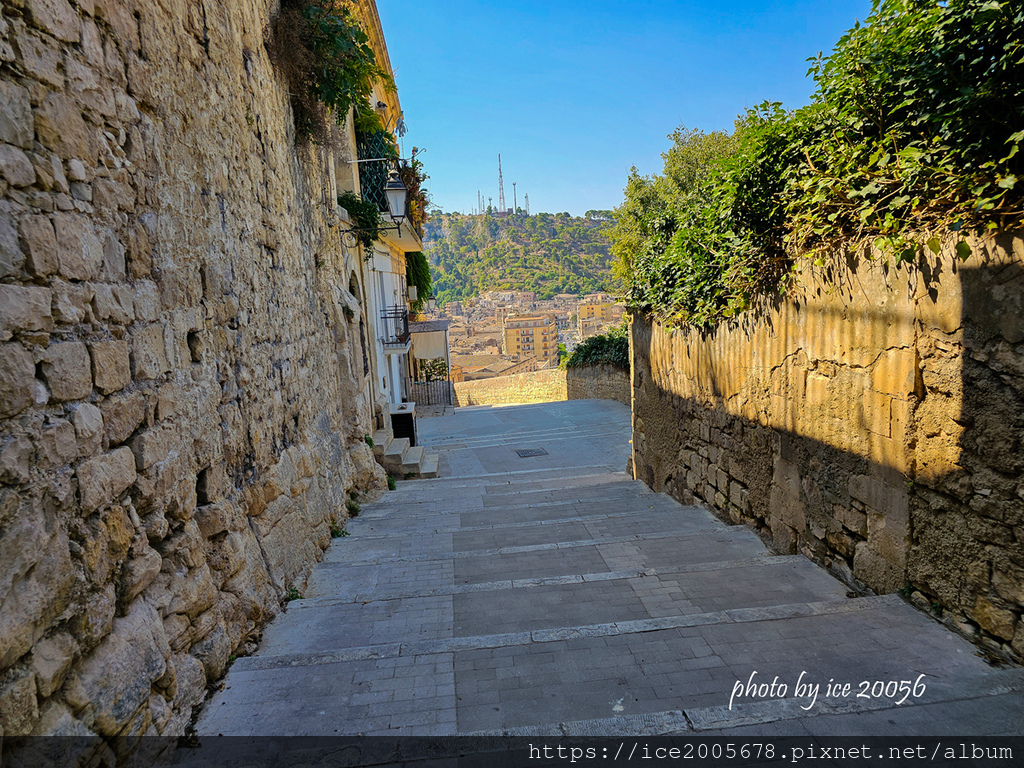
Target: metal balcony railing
(395, 321)
(373, 175)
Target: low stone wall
(179, 376)
(598, 382)
(533, 387)
(873, 421)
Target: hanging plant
(413, 176)
(367, 217)
(327, 60)
(417, 273)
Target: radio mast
(501, 189)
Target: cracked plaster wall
(873, 420)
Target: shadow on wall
(873, 420)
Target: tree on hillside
(544, 253)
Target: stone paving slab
(312, 627)
(667, 517)
(695, 668)
(560, 597)
(365, 589)
(529, 565)
(338, 578)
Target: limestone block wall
(601, 382)
(534, 387)
(182, 401)
(873, 420)
(598, 382)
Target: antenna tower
(515, 207)
(526, 203)
(501, 188)
(479, 203)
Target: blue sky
(572, 94)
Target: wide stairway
(551, 594)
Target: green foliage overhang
(914, 135)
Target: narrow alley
(552, 594)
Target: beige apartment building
(605, 312)
(533, 335)
(594, 317)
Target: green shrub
(913, 136)
(611, 348)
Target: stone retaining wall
(180, 416)
(598, 382)
(873, 421)
(533, 387)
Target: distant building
(508, 297)
(531, 335)
(475, 367)
(594, 315)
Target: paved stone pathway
(555, 595)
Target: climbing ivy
(914, 134)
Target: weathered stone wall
(873, 420)
(598, 382)
(181, 391)
(534, 387)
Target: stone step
(614, 494)
(528, 438)
(411, 461)
(429, 465)
(394, 455)
(381, 440)
(567, 490)
(525, 485)
(491, 485)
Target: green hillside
(547, 253)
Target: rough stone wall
(534, 387)
(598, 382)
(181, 390)
(873, 420)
